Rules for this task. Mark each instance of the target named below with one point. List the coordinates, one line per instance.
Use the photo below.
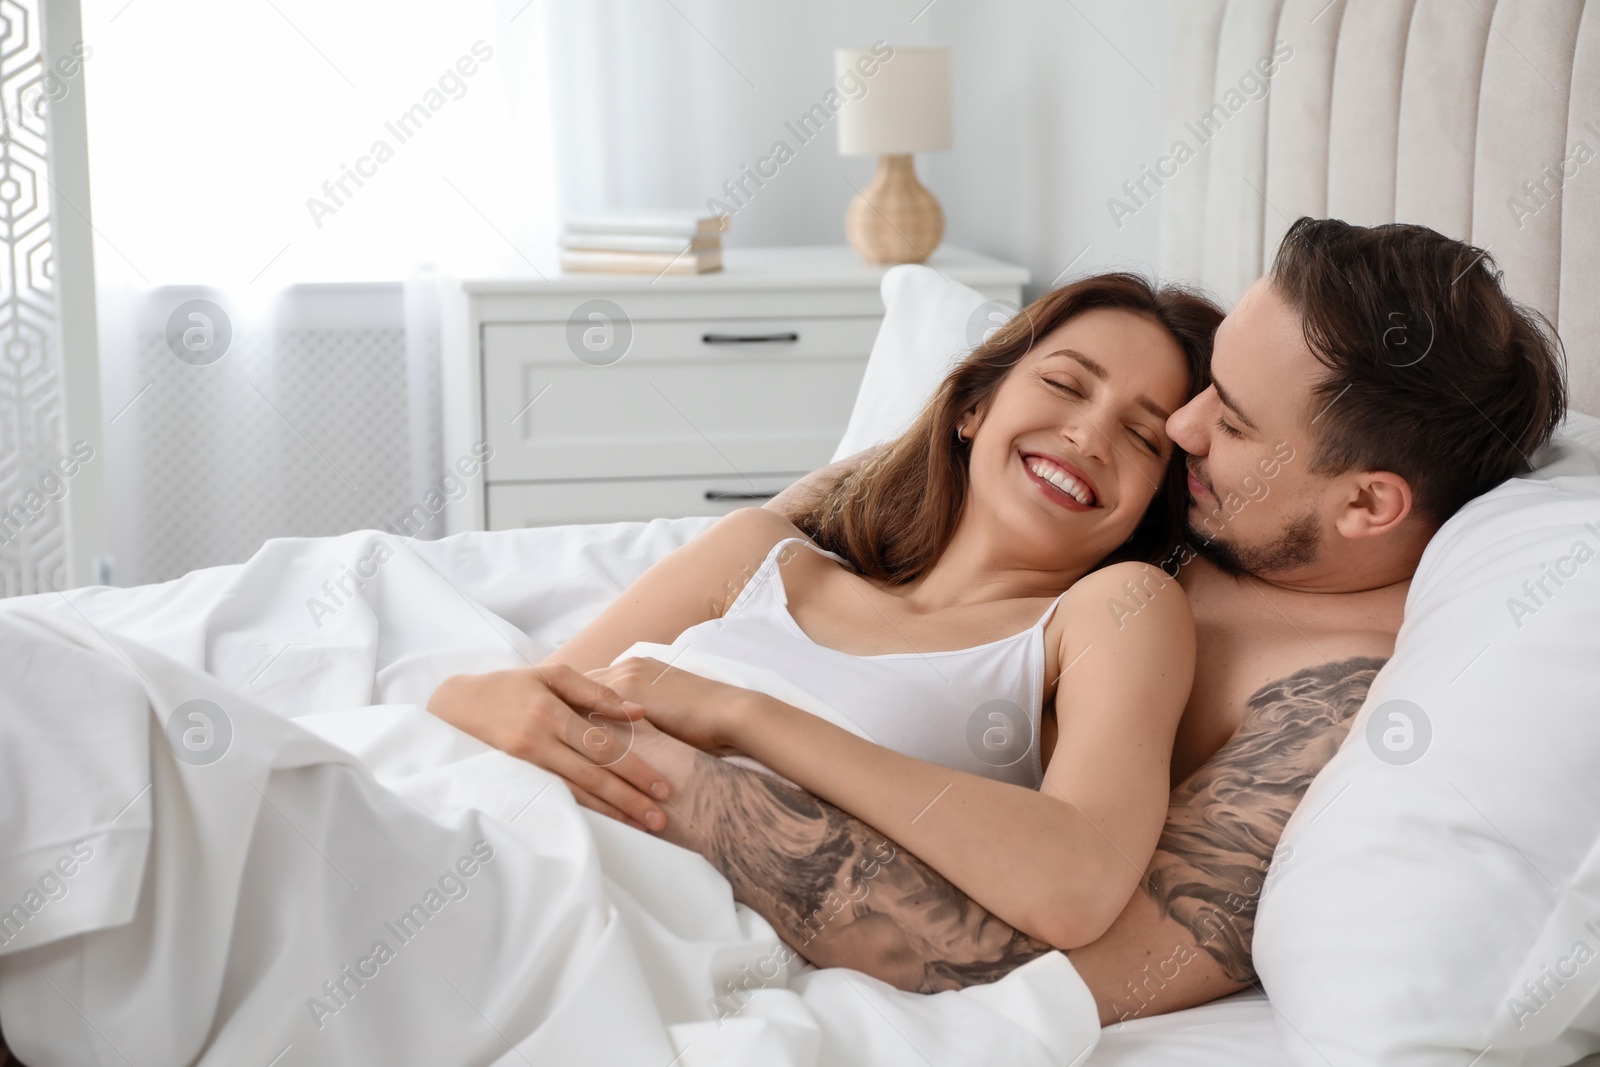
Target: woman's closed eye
(1151, 445)
(1066, 387)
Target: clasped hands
(584, 727)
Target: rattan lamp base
(894, 219)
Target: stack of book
(644, 242)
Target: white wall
(657, 105)
(1056, 104)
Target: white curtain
(312, 172)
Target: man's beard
(1298, 544)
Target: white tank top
(970, 709)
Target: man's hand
(556, 718)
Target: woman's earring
(959, 435)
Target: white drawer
(674, 404)
(556, 503)
(724, 339)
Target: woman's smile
(1059, 483)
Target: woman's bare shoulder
(746, 530)
(1138, 621)
(731, 550)
(690, 585)
(1106, 600)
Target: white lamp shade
(903, 106)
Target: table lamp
(905, 109)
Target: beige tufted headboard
(1478, 118)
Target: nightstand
(608, 397)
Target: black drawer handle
(749, 338)
(741, 494)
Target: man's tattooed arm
(1225, 820)
(842, 894)
(837, 891)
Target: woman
(991, 562)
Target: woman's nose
(1082, 429)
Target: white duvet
(278, 857)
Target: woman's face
(1073, 445)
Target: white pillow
(929, 324)
(1450, 851)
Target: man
(1366, 389)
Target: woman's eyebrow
(1152, 407)
(1089, 365)
(1100, 372)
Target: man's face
(1254, 506)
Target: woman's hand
(704, 713)
(555, 718)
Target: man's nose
(1185, 426)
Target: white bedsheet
(268, 876)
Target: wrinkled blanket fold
(277, 856)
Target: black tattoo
(842, 894)
(1225, 820)
(836, 890)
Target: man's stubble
(1297, 545)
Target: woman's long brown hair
(893, 515)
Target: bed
(227, 631)
(644, 938)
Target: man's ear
(1379, 502)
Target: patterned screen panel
(32, 455)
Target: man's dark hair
(1434, 372)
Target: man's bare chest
(1252, 637)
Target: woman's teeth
(1062, 481)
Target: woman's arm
(834, 889)
(1059, 864)
(692, 584)
(553, 716)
